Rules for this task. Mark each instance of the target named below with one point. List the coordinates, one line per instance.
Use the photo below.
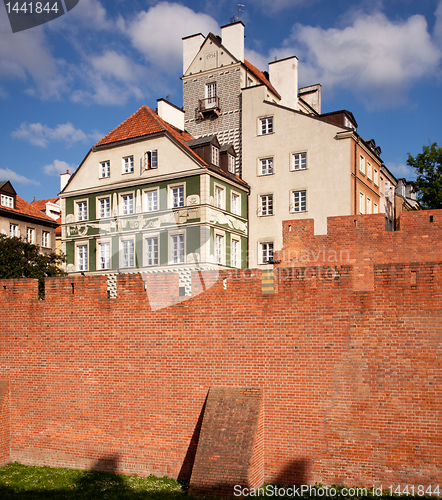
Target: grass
(29, 482)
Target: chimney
(191, 46)
(171, 113)
(232, 37)
(284, 77)
(64, 179)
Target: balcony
(208, 107)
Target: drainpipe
(356, 178)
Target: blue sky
(65, 84)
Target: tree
(428, 184)
(20, 259)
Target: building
(298, 162)
(149, 197)
(52, 208)
(20, 219)
(405, 198)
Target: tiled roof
(58, 228)
(25, 208)
(260, 75)
(41, 204)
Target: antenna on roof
(236, 18)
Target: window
(211, 94)
(45, 239)
(104, 169)
(219, 248)
(13, 230)
(104, 255)
(128, 165)
(127, 204)
(249, 82)
(368, 210)
(387, 189)
(235, 207)
(375, 208)
(266, 166)
(177, 196)
(104, 208)
(376, 177)
(300, 161)
(151, 200)
(219, 197)
(128, 253)
(299, 201)
(362, 164)
(266, 125)
(368, 170)
(266, 252)
(231, 163)
(7, 201)
(177, 248)
(361, 203)
(81, 210)
(266, 205)
(150, 159)
(234, 253)
(215, 155)
(30, 235)
(152, 251)
(82, 258)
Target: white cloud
(58, 167)
(157, 33)
(401, 170)
(86, 14)
(40, 135)
(10, 175)
(375, 56)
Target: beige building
(298, 162)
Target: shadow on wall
(296, 472)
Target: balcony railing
(209, 106)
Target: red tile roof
(260, 75)
(25, 208)
(58, 228)
(41, 204)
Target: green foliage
(20, 259)
(428, 184)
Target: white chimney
(171, 113)
(64, 179)
(232, 37)
(284, 77)
(191, 46)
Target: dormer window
(215, 156)
(7, 201)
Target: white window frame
(361, 202)
(128, 164)
(215, 155)
(30, 235)
(150, 260)
(219, 196)
(147, 206)
(150, 160)
(235, 210)
(235, 252)
(45, 239)
(220, 248)
(127, 244)
(375, 208)
(177, 257)
(266, 166)
(368, 205)
(299, 161)
(266, 205)
(376, 176)
(7, 201)
(123, 204)
(296, 201)
(211, 94)
(171, 188)
(265, 125)
(14, 231)
(107, 258)
(100, 214)
(81, 210)
(369, 171)
(362, 164)
(104, 169)
(231, 164)
(81, 260)
(265, 249)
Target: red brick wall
(4, 422)
(351, 377)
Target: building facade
(150, 198)
(20, 219)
